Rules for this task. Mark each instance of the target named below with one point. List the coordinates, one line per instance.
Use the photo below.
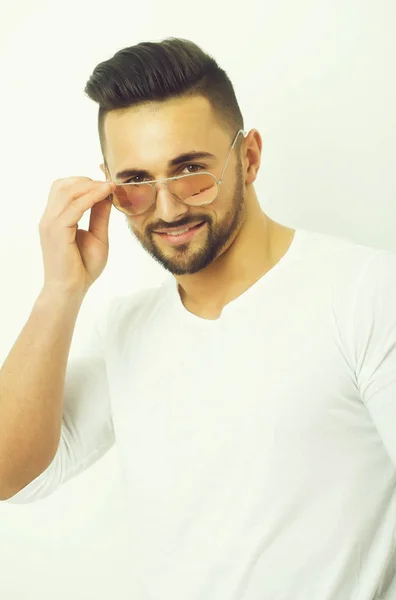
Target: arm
(375, 346)
(32, 382)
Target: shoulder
(140, 307)
(352, 263)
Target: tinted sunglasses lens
(133, 199)
(194, 190)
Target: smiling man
(227, 244)
(251, 395)
(166, 129)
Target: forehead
(149, 135)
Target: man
(252, 395)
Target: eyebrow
(182, 158)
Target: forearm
(32, 381)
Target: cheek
(137, 225)
(224, 203)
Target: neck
(259, 244)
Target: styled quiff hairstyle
(155, 71)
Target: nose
(167, 208)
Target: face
(145, 138)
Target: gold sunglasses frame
(155, 181)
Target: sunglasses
(194, 189)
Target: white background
(316, 78)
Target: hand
(75, 258)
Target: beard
(184, 259)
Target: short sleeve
(375, 345)
(87, 431)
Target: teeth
(178, 232)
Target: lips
(178, 229)
(182, 238)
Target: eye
(194, 167)
(132, 180)
(136, 178)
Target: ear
(252, 156)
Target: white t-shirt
(258, 450)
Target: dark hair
(154, 71)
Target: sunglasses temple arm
(229, 154)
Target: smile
(180, 237)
